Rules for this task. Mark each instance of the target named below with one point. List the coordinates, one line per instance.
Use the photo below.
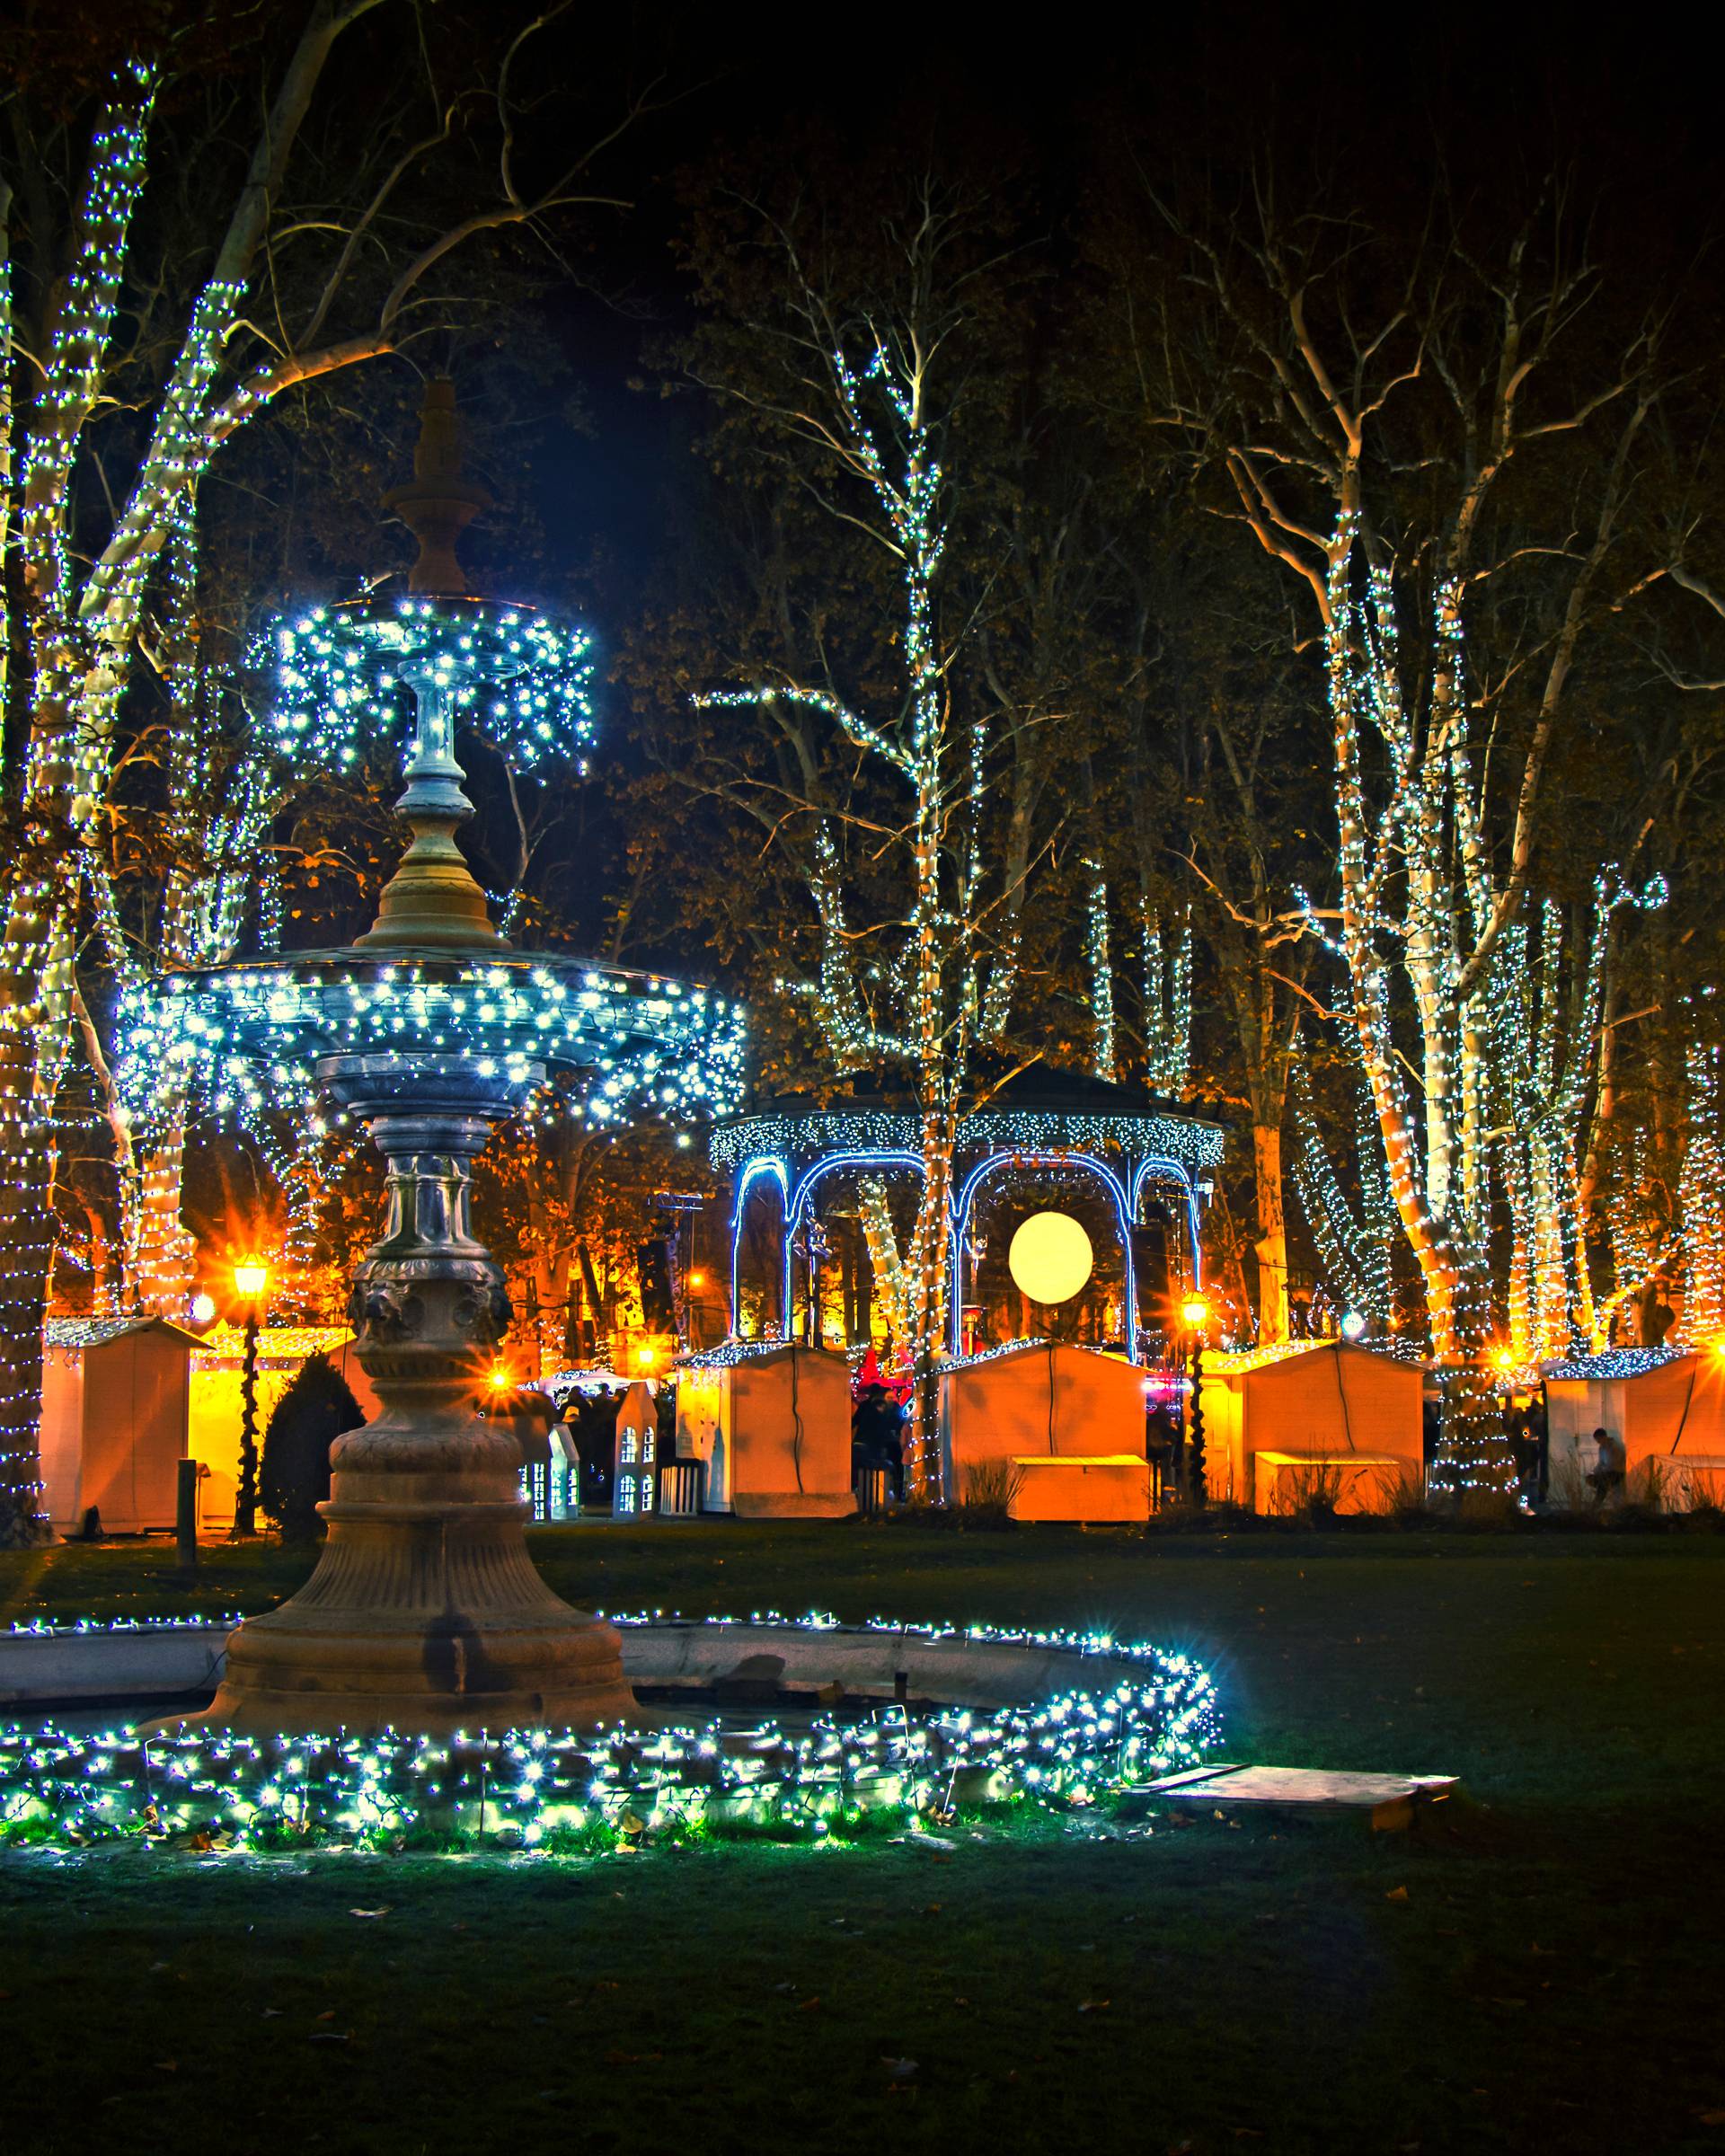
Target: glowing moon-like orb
(1051, 1258)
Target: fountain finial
(438, 503)
(433, 902)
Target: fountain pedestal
(425, 1612)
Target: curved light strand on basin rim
(525, 1789)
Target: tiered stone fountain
(425, 1612)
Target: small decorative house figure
(634, 1483)
(548, 1458)
(114, 1413)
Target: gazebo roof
(1038, 1109)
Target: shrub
(1310, 1495)
(989, 1489)
(294, 1477)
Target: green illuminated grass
(1551, 1980)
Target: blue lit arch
(980, 1174)
(1172, 1172)
(747, 1175)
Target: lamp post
(1196, 1312)
(251, 1283)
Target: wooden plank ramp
(1390, 1800)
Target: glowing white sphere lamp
(1352, 1325)
(1051, 1258)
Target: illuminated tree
(100, 529)
(914, 843)
(1388, 427)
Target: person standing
(1610, 1465)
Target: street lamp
(1196, 1312)
(251, 1284)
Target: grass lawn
(1549, 1976)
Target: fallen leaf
(270, 2014)
(1711, 2118)
(900, 2070)
(167, 2066)
(327, 2015)
(1396, 1894)
(382, 1912)
(1095, 2006)
(806, 2003)
(329, 2035)
(930, 1908)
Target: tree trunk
(26, 1260)
(162, 1273)
(931, 1249)
(1272, 1232)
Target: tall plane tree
(896, 760)
(1439, 436)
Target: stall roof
(96, 1332)
(1614, 1362)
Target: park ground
(1545, 1973)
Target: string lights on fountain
(348, 674)
(242, 1039)
(534, 1789)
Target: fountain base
(425, 1614)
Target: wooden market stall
(1312, 1419)
(1055, 1430)
(770, 1427)
(1668, 1407)
(115, 1394)
(218, 1372)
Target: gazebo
(1141, 1163)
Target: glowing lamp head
(1196, 1312)
(500, 1379)
(697, 1279)
(1352, 1325)
(251, 1278)
(645, 1357)
(203, 1308)
(1504, 1359)
(1050, 1257)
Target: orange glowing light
(251, 1278)
(1196, 1312)
(500, 1380)
(699, 1279)
(645, 1357)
